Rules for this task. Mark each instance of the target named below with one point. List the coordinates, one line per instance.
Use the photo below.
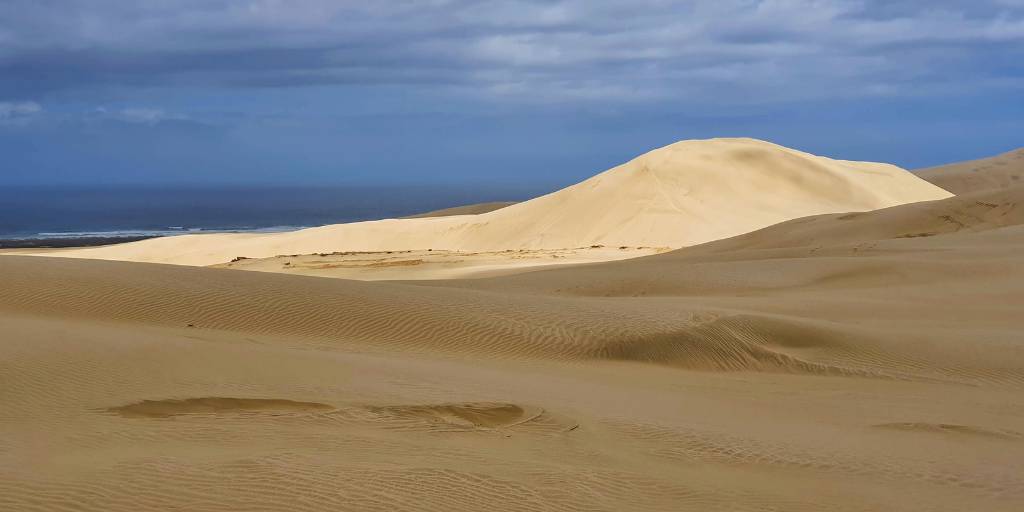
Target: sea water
(42, 212)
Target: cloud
(10, 109)
(18, 112)
(694, 52)
(31, 117)
(149, 116)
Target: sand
(844, 362)
(431, 264)
(469, 209)
(992, 173)
(877, 375)
(681, 195)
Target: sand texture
(866, 371)
(857, 361)
(431, 264)
(681, 195)
(993, 173)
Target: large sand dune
(967, 213)
(842, 362)
(1001, 171)
(469, 209)
(850, 362)
(684, 194)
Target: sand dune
(858, 375)
(469, 209)
(997, 172)
(684, 194)
(431, 264)
(967, 213)
(847, 361)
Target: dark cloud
(772, 50)
(534, 90)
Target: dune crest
(680, 195)
(986, 174)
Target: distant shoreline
(62, 243)
(83, 240)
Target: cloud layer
(487, 91)
(719, 51)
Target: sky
(490, 92)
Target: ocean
(32, 216)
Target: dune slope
(867, 371)
(991, 173)
(469, 209)
(670, 382)
(684, 194)
(967, 213)
(849, 362)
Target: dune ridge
(971, 212)
(681, 195)
(469, 209)
(985, 174)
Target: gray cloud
(700, 51)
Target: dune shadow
(213, 405)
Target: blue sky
(445, 91)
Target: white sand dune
(684, 194)
(967, 213)
(469, 209)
